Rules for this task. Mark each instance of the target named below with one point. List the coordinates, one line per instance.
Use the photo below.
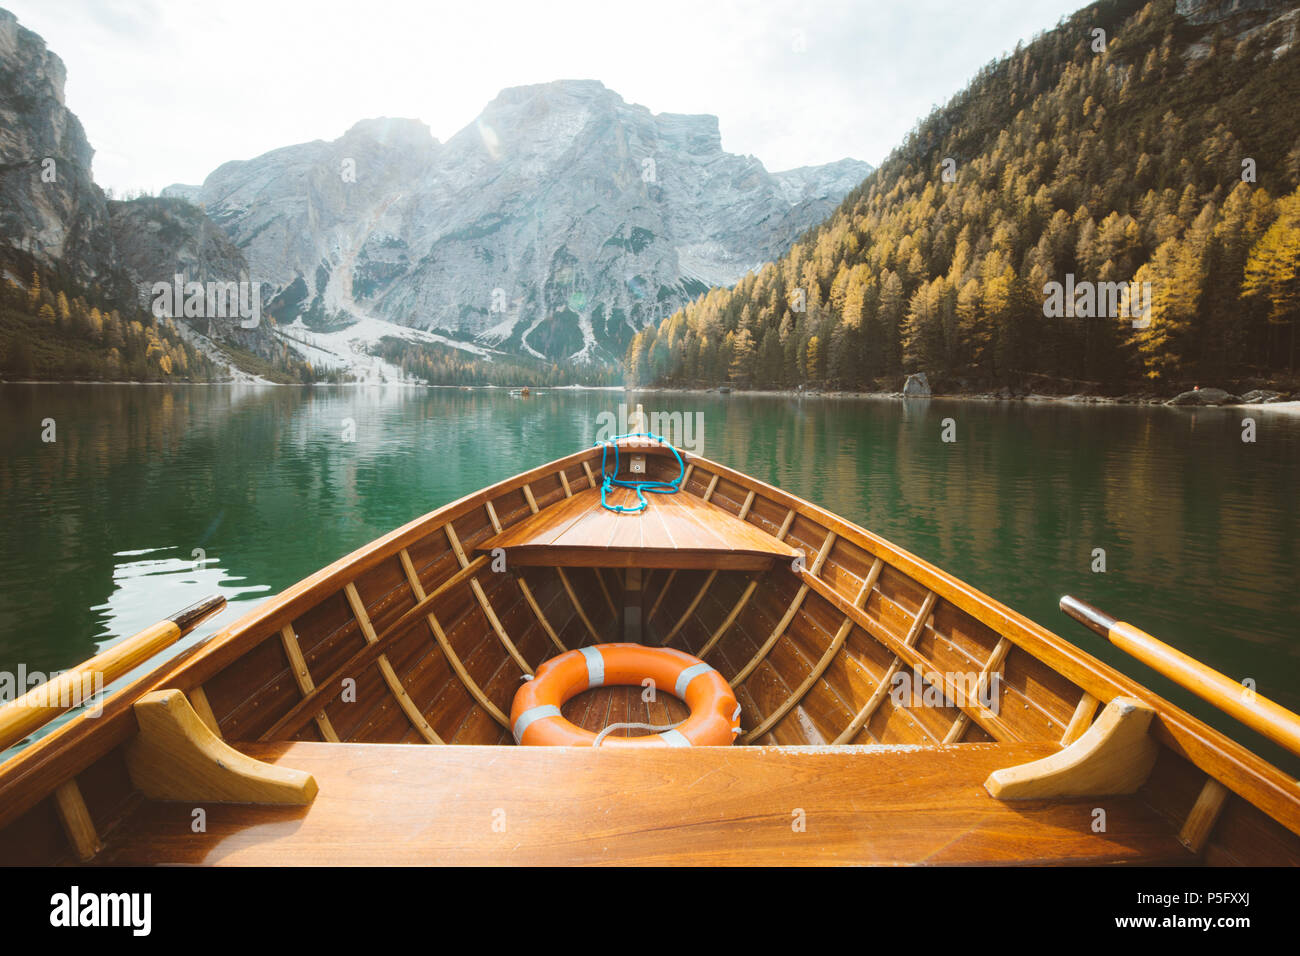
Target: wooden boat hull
(422, 638)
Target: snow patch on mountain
(570, 200)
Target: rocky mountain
(53, 217)
(550, 230)
(556, 225)
(50, 207)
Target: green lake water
(101, 526)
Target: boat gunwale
(31, 775)
(34, 773)
(1191, 738)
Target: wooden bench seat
(428, 805)
(674, 531)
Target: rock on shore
(1205, 396)
(916, 386)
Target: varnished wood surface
(1245, 773)
(705, 806)
(38, 770)
(674, 531)
(811, 652)
(177, 757)
(1115, 756)
(597, 708)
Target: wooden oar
(43, 703)
(1255, 711)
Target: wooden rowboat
(313, 729)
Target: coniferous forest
(1155, 151)
(53, 329)
(45, 333)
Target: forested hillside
(45, 333)
(53, 329)
(1166, 152)
(445, 365)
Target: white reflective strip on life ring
(685, 677)
(674, 738)
(595, 666)
(531, 714)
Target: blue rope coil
(609, 482)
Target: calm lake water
(151, 498)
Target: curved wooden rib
(485, 604)
(492, 516)
(798, 693)
(729, 619)
(604, 589)
(815, 674)
(1114, 757)
(772, 638)
(452, 657)
(176, 757)
(713, 483)
(298, 664)
(749, 590)
(76, 820)
(537, 610)
(663, 593)
(301, 712)
(591, 479)
(873, 703)
(922, 615)
(386, 668)
(577, 605)
(199, 701)
(992, 665)
(690, 609)
(532, 502)
(744, 508)
(564, 481)
(878, 695)
(869, 582)
(1200, 820)
(954, 690)
(786, 618)
(1083, 712)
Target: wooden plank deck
(675, 531)
(422, 805)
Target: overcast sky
(170, 89)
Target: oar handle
(46, 701)
(1260, 714)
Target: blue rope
(608, 482)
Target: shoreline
(266, 384)
(1036, 398)
(1031, 398)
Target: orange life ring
(535, 717)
